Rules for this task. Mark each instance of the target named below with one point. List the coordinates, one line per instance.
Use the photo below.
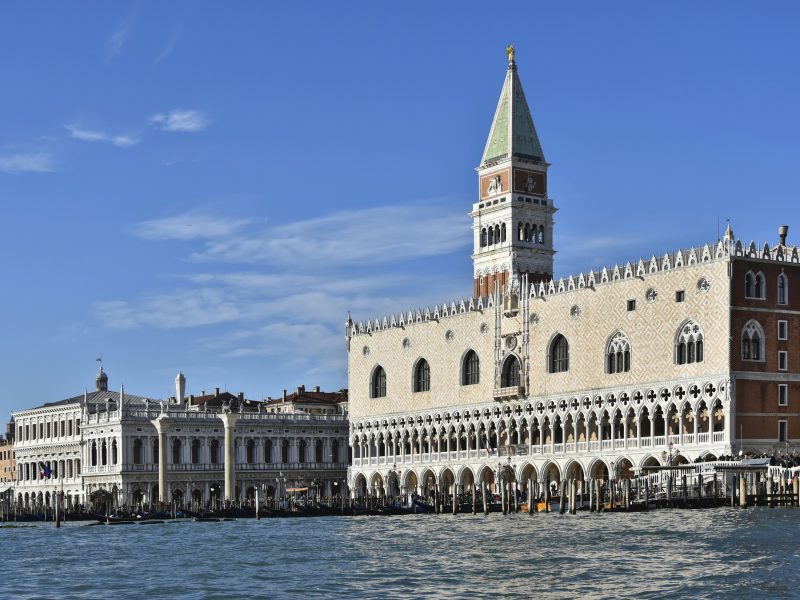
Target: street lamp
(668, 457)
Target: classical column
(162, 424)
(229, 421)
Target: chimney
(191, 399)
(783, 231)
(316, 388)
(202, 392)
(284, 395)
(216, 392)
(180, 387)
(241, 396)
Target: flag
(45, 471)
(98, 359)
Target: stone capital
(229, 419)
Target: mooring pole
(474, 498)
(742, 491)
(531, 499)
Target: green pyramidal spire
(512, 133)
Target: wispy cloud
(170, 44)
(26, 163)
(357, 237)
(293, 304)
(94, 135)
(190, 121)
(188, 226)
(116, 41)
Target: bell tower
(512, 221)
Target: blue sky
(212, 186)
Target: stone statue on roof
(510, 52)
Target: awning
(305, 489)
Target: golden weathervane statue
(510, 52)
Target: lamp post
(668, 458)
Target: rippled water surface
(721, 553)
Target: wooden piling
(514, 490)
(580, 495)
(562, 487)
(700, 487)
(531, 498)
(770, 493)
(796, 488)
(455, 498)
(573, 500)
(742, 491)
(627, 494)
(646, 496)
(483, 495)
(591, 494)
(598, 498)
(547, 496)
(474, 499)
(669, 490)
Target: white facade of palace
(596, 375)
(106, 446)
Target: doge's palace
(595, 375)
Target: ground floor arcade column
(229, 421)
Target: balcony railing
(506, 393)
(658, 441)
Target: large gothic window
(559, 355)
(689, 343)
(752, 341)
(618, 354)
(510, 374)
(470, 369)
(760, 287)
(754, 285)
(783, 289)
(378, 383)
(422, 376)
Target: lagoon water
(719, 553)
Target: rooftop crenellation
(720, 250)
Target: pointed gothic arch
(689, 343)
(470, 368)
(558, 354)
(752, 339)
(422, 376)
(510, 374)
(377, 383)
(618, 353)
